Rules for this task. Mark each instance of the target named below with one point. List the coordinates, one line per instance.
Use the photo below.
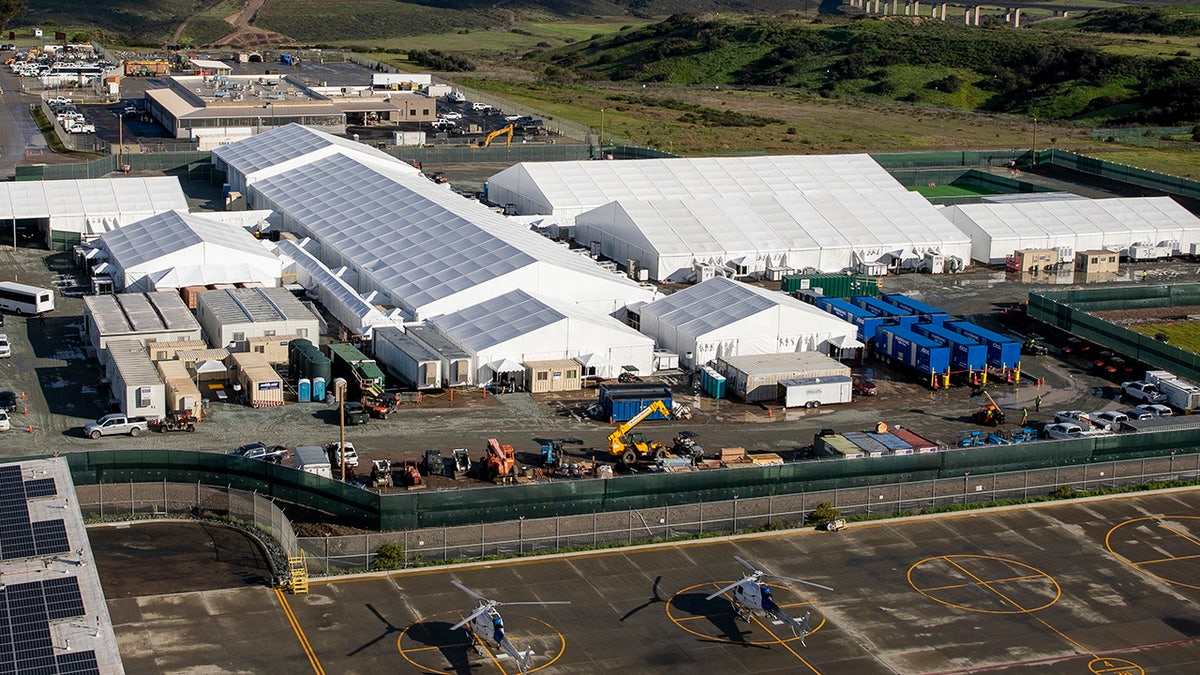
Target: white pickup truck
(114, 424)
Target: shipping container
(920, 444)
(812, 392)
(870, 446)
(892, 315)
(361, 372)
(261, 385)
(756, 377)
(411, 362)
(1003, 352)
(868, 323)
(895, 444)
(925, 313)
(966, 352)
(181, 392)
(620, 402)
(712, 382)
(312, 459)
(915, 351)
(838, 446)
(831, 285)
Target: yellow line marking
(492, 656)
(1177, 533)
(1166, 560)
(426, 649)
(1111, 544)
(784, 644)
(950, 587)
(291, 617)
(1018, 606)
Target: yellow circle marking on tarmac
(721, 608)
(963, 565)
(1110, 666)
(1174, 533)
(412, 654)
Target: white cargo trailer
(312, 459)
(1181, 394)
(813, 392)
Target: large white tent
(338, 297)
(505, 331)
(172, 250)
(424, 249)
(996, 230)
(70, 210)
(283, 149)
(824, 230)
(721, 317)
(824, 211)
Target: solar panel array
(26, 609)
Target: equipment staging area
(1048, 589)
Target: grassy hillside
(1056, 75)
(119, 21)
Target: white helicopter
(753, 595)
(486, 624)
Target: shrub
(389, 556)
(823, 514)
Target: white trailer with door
(312, 459)
(1181, 394)
(814, 392)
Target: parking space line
(291, 617)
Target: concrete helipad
(1100, 586)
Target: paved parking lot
(1101, 586)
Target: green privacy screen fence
(395, 511)
(1069, 311)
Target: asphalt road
(1105, 585)
(18, 132)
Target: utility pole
(339, 390)
(602, 133)
(1033, 160)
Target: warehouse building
(504, 334)
(721, 318)
(62, 213)
(739, 216)
(232, 317)
(173, 250)
(1071, 225)
(142, 317)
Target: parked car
(114, 424)
(479, 107)
(8, 401)
(452, 115)
(1063, 430)
(355, 413)
(274, 453)
(1076, 346)
(1109, 420)
(350, 454)
(443, 125)
(1071, 416)
(5, 424)
(1139, 390)
(1151, 409)
(863, 385)
(5, 347)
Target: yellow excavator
(627, 447)
(495, 134)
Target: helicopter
(752, 595)
(486, 624)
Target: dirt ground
(1149, 314)
(153, 558)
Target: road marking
(950, 587)
(291, 617)
(487, 651)
(784, 644)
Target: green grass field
(1184, 334)
(950, 191)
(1184, 163)
(524, 37)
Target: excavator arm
(499, 132)
(616, 440)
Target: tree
(11, 9)
(823, 514)
(389, 556)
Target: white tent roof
(98, 197)
(339, 298)
(431, 250)
(282, 147)
(719, 302)
(1114, 224)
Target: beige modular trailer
(261, 385)
(167, 350)
(180, 389)
(552, 375)
(273, 348)
(756, 377)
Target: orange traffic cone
(31, 428)
(24, 411)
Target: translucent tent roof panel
(582, 185)
(347, 303)
(153, 238)
(91, 197)
(496, 321)
(1122, 219)
(709, 305)
(288, 142)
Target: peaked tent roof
(90, 197)
(293, 141)
(152, 238)
(1118, 216)
(719, 302)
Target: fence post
(557, 546)
(667, 522)
(521, 534)
(868, 501)
(131, 499)
(405, 549)
(770, 508)
(595, 534)
(701, 517)
(629, 526)
(735, 502)
(101, 484)
(197, 496)
(445, 543)
(166, 511)
(228, 500)
(482, 539)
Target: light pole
(602, 133)
(339, 394)
(1033, 160)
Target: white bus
(25, 299)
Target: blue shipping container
(620, 402)
(892, 315)
(966, 353)
(1003, 352)
(912, 350)
(868, 324)
(925, 313)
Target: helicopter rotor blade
(799, 581)
(745, 564)
(468, 591)
(472, 615)
(537, 602)
(730, 587)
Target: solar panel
(77, 663)
(50, 537)
(42, 487)
(26, 645)
(62, 598)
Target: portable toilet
(304, 390)
(318, 389)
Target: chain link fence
(341, 554)
(249, 510)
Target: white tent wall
(515, 186)
(339, 298)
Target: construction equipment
(686, 446)
(460, 463)
(380, 407)
(989, 413)
(381, 473)
(434, 464)
(410, 474)
(499, 132)
(552, 455)
(628, 446)
(499, 465)
(178, 420)
(971, 439)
